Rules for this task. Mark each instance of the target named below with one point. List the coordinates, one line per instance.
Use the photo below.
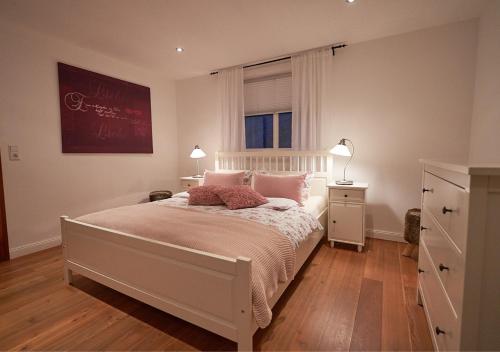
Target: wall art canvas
(102, 114)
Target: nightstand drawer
(187, 184)
(347, 195)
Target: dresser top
(356, 185)
(485, 169)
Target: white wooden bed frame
(208, 290)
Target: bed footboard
(210, 291)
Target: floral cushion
(204, 195)
(239, 197)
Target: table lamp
(342, 150)
(197, 154)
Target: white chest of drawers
(459, 266)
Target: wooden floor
(340, 300)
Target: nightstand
(346, 214)
(188, 181)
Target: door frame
(4, 239)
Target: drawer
(448, 262)
(187, 184)
(348, 195)
(440, 314)
(448, 204)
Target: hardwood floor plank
(395, 330)
(337, 333)
(315, 315)
(290, 310)
(327, 307)
(367, 332)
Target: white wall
(399, 99)
(198, 121)
(45, 183)
(485, 128)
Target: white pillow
(181, 195)
(279, 204)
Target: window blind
(267, 95)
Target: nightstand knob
(334, 221)
(345, 195)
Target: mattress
(315, 205)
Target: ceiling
(222, 33)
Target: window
(259, 130)
(268, 117)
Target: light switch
(13, 152)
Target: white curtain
(232, 109)
(309, 77)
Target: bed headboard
(320, 163)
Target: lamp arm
(352, 154)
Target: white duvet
(293, 221)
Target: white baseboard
(34, 247)
(385, 235)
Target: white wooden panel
(443, 194)
(346, 222)
(443, 253)
(186, 284)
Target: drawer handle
(446, 210)
(421, 271)
(443, 268)
(426, 190)
(334, 221)
(439, 331)
(422, 228)
(345, 195)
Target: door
(346, 222)
(4, 242)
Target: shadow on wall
(381, 211)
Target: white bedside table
(189, 181)
(346, 213)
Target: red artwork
(101, 114)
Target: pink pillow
(290, 187)
(239, 197)
(204, 195)
(223, 178)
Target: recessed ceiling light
(349, 1)
(179, 49)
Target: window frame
(276, 126)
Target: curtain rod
(333, 47)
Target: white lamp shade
(340, 149)
(197, 153)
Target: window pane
(259, 131)
(285, 129)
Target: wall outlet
(14, 153)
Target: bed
(209, 290)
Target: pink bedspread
(272, 253)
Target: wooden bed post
(243, 309)
(68, 273)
